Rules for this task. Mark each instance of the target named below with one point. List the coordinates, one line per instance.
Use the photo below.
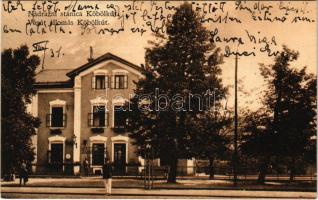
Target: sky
(300, 36)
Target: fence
(53, 169)
(244, 173)
(161, 172)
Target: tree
(17, 79)
(182, 66)
(289, 113)
(298, 115)
(258, 140)
(211, 134)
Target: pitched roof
(63, 78)
(105, 57)
(52, 76)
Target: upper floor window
(57, 118)
(99, 117)
(120, 117)
(100, 82)
(120, 81)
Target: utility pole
(235, 156)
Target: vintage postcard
(158, 99)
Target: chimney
(90, 59)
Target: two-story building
(82, 116)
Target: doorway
(119, 159)
(57, 157)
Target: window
(100, 82)
(120, 81)
(98, 154)
(120, 117)
(57, 118)
(99, 117)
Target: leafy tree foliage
(17, 79)
(286, 123)
(212, 136)
(179, 64)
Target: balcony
(98, 121)
(55, 131)
(56, 121)
(119, 129)
(97, 130)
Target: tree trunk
(292, 175)
(263, 170)
(211, 168)
(292, 170)
(172, 175)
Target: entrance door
(119, 159)
(57, 157)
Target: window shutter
(112, 84)
(125, 81)
(90, 121)
(48, 120)
(93, 82)
(106, 82)
(109, 81)
(106, 118)
(64, 120)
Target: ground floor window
(98, 154)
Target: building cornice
(56, 85)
